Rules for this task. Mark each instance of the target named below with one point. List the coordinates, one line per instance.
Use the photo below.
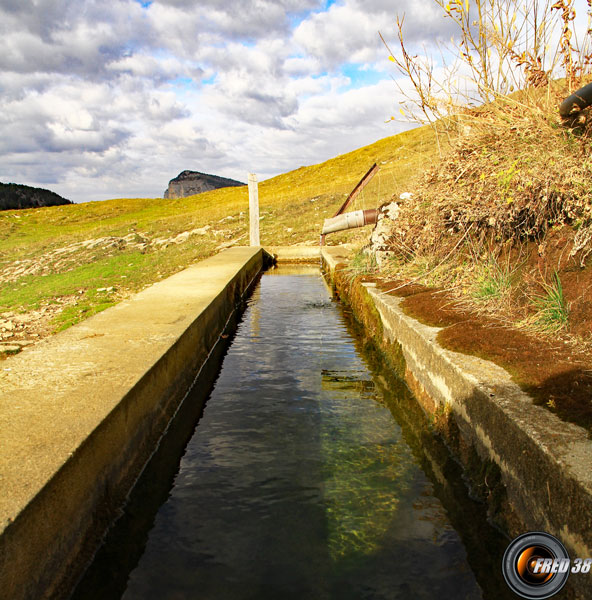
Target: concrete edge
(544, 462)
(295, 254)
(299, 253)
(57, 516)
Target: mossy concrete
(544, 463)
(81, 412)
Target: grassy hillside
(61, 264)
(505, 218)
(497, 242)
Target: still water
(298, 482)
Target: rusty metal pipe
(350, 220)
(359, 187)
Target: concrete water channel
(299, 480)
(313, 472)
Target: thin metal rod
(361, 185)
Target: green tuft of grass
(493, 282)
(552, 310)
(362, 263)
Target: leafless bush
(501, 46)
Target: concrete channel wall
(545, 463)
(295, 254)
(302, 254)
(81, 412)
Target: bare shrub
(501, 46)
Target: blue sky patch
(209, 80)
(183, 83)
(294, 19)
(360, 77)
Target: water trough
(310, 474)
(81, 412)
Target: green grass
(552, 310)
(293, 205)
(29, 291)
(493, 282)
(361, 263)
(74, 314)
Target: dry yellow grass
(66, 256)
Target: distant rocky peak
(189, 183)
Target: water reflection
(298, 482)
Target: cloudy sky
(113, 98)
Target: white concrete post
(253, 210)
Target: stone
(200, 230)
(381, 234)
(189, 183)
(182, 237)
(9, 348)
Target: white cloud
(344, 33)
(114, 99)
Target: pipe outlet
(350, 220)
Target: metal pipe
(350, 220)
(359, 187)
(578, 100)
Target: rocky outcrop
(189, 183)
(382, 233)
(381, 239)
(14, 195)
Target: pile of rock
(13, 330)
(380, 240)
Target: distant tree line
(14, 195)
